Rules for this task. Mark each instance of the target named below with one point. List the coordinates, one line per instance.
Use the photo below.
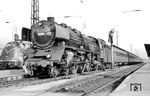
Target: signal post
(110, 40)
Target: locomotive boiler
(59, 49)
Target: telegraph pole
(112, 60)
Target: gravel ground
(58, 87)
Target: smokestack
(51, 19)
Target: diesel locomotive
(12, 55)
(58, 49)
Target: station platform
(136, 84)
(10, 75)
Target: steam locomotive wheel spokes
(97, 67)
(67, 72)
(31, 71)
(49, 71)
(80, 68)
(83, 69)
(74, 69)
(3, 66)
(54, 71)
(89, 67)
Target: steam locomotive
(58, 49)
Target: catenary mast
(34, 11)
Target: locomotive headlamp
(49, 33)
(41, 34)
(40, 24)
(44, 33)
(48, 56)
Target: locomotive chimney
(51, 19)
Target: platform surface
(10, 75)
(136, 84)
(7, 73)
(41, 89)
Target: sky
(93, 17)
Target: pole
(117, 37)
(112, 56)
(110, 39)
(131, 48)
(14, 30)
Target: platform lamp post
(117, 37)
(110, 40)
(14, 29)
(7, 22)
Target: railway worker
(16, 37)
(69, 58)
(21, 52)
(25, 58)
(24, 65)
(111, 33)
(17, 40)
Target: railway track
(98, 84)
(115, 80)
(75, 82)
(36, 81)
